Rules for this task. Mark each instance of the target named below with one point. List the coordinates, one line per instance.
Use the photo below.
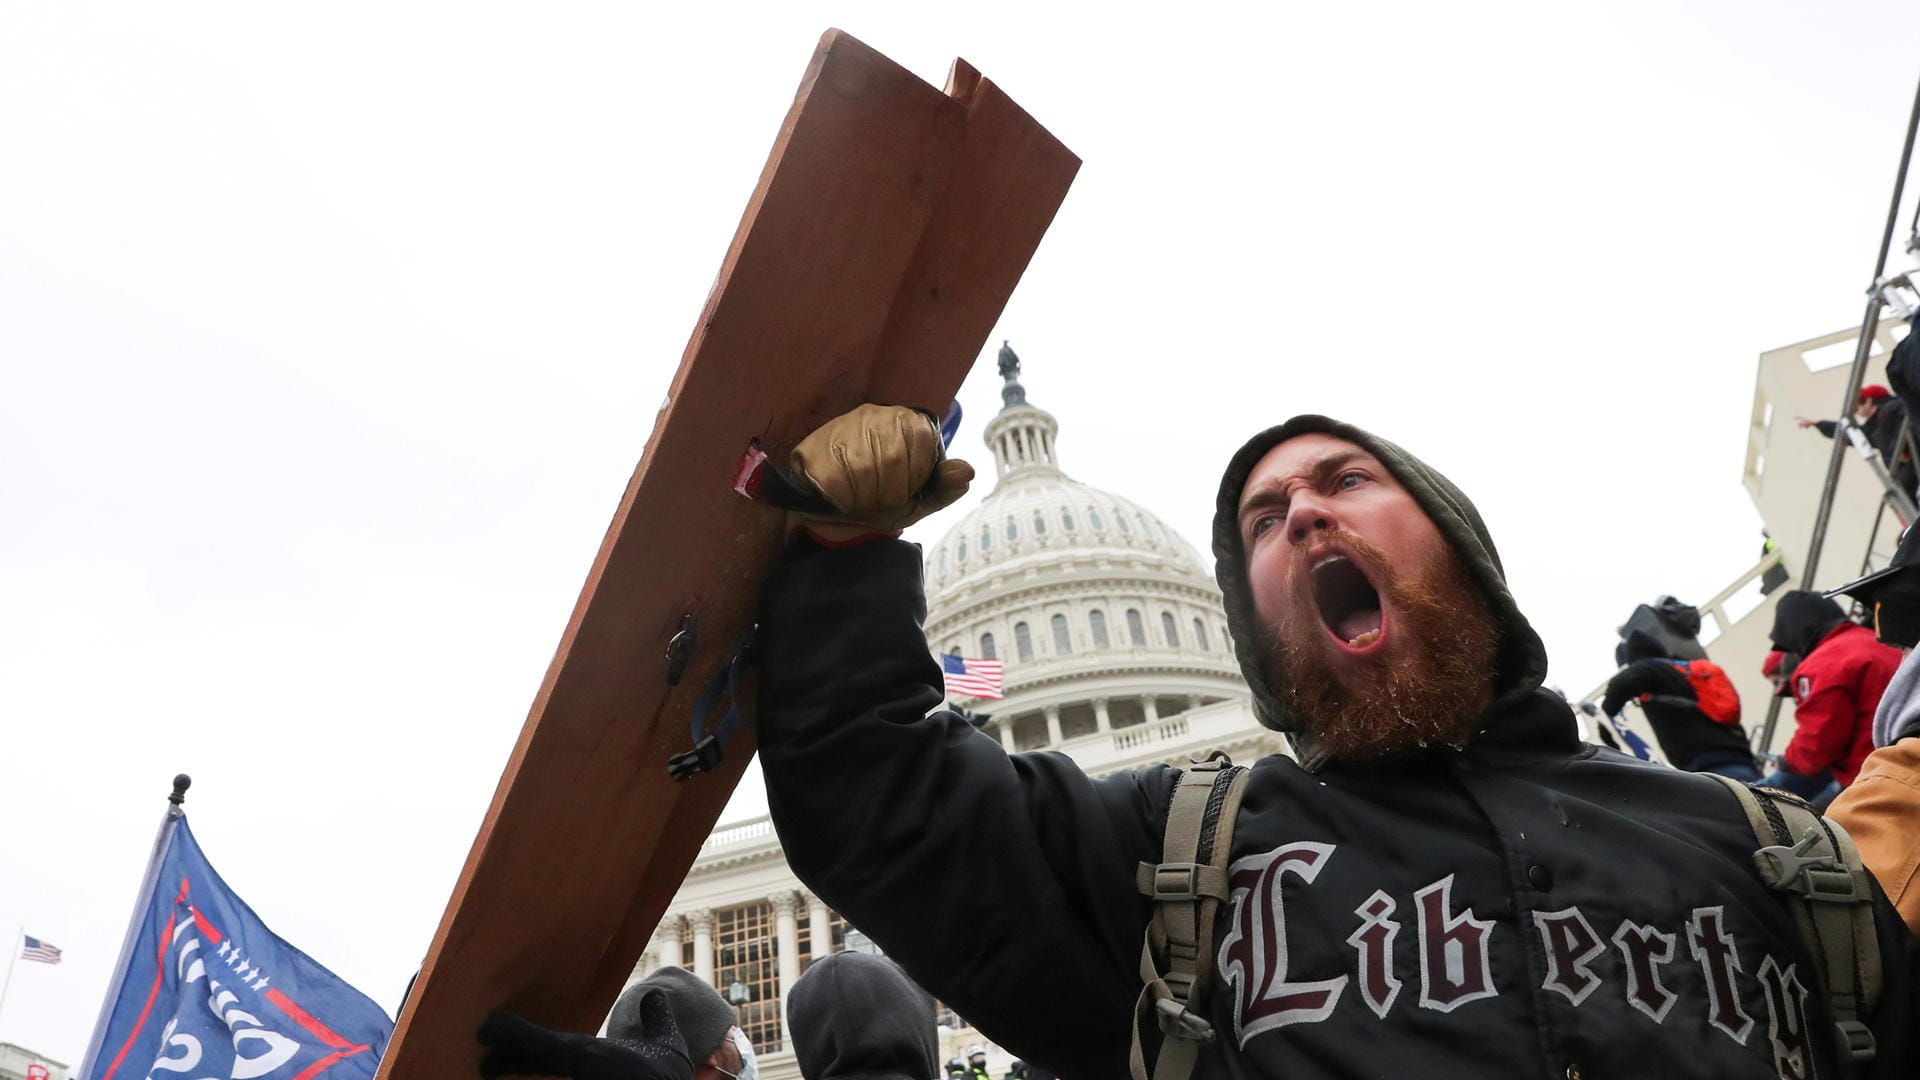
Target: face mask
(749, 1069)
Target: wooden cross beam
(889, 227)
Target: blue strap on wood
(709, 747)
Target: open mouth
(1348, 604)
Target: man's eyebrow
(1318, 474)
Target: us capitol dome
(1115, 652)
(1109, 625)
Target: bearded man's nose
(1305, 517)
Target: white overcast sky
(331, 333)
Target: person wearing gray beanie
(705, 1018)
(670, 1025)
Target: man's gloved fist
(882, 467)
(517, 1046)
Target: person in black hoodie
(1688, 736)
(858, 1017)
(1836, 687)
(1446, 882)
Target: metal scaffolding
(1856, 376)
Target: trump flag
(205, 990)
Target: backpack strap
(1830, 894)
(1674, 700)
(1187, 886)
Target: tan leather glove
(882, 467)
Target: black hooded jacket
(858, 1017)
(1801, 619)
(1689, 738)
(1529, 906)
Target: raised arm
(1002, 883)
(1637, 678)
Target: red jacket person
(1448, 882)
(1836, 688)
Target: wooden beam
(888, 228)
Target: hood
(1898, 716)
(1521, 665)
(1639, 645)
(1802, 618)
(858, 1016)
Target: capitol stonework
(1115, 651)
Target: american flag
(972, 677)
(35, 949)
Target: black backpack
(1674, 625)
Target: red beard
(1424, 689)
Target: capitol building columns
(786, 946)
(819, 927)
(702, 923)
(665, 949)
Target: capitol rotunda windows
(1136, 629)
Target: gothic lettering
(1374, 942)
(1571, 947)
(1455, 959)
(1253, 957)
(1454, 968)
(1645, 951)
(1712, 947)
(1786, 1018)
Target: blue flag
(204, 989)
(1637, 745)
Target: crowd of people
(1854, 691)
(1855, 749)
(850, 1016)
(1444, 880)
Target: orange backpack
(1713, 691)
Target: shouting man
(1447, 882)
